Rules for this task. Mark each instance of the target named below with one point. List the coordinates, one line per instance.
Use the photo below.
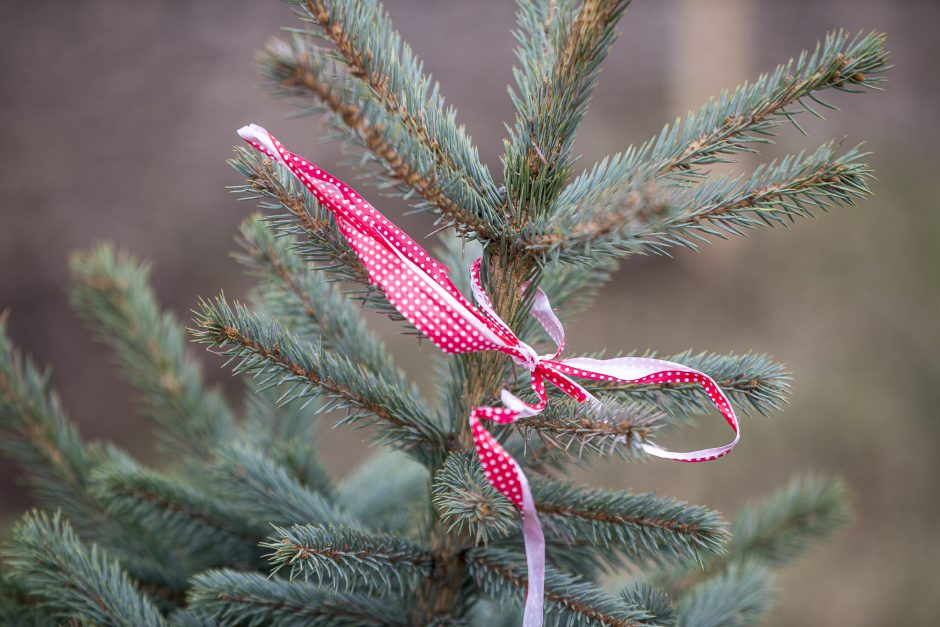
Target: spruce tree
(243, 525)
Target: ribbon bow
(419, 288)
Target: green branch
(20, 609)
(389, 490)
(739, 121)
(643, 527)
(38, 435)
(783, 526)
(615, 428)
(742, 595)
(735, 122)
(311, 78)
(112, 291)
(774, 531)
(343, 559)
(73, 580)
(624, 203)
(560, 54)
(397, 81)
(466, 502)
(287, 434)
(656, 605)
(645, 219)
(260, 347)
(204, 531)
(232, 598)
(774, 194)
(261, 491)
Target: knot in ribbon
(418, 286)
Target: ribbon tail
(504, 473)
(534, 557)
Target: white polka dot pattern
(415, 283)
(418, 286)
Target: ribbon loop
(543, 312)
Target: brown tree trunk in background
(714, 44)
(714, 47)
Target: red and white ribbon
(419, 288)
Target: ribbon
(419, 288)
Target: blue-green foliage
(264, 492)
(347, 560)
(386, 106)
(741, 595)
(389, 490)
(654, 602)
(111, 290)
(72, 580)
(645, 199)
(230, 598)
(561, 47)
(243, 524)
(203, 531)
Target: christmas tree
(244, 526)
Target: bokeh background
(117, 118)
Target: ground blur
(117, 118)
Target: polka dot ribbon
(419, 288)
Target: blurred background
(118, 118)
